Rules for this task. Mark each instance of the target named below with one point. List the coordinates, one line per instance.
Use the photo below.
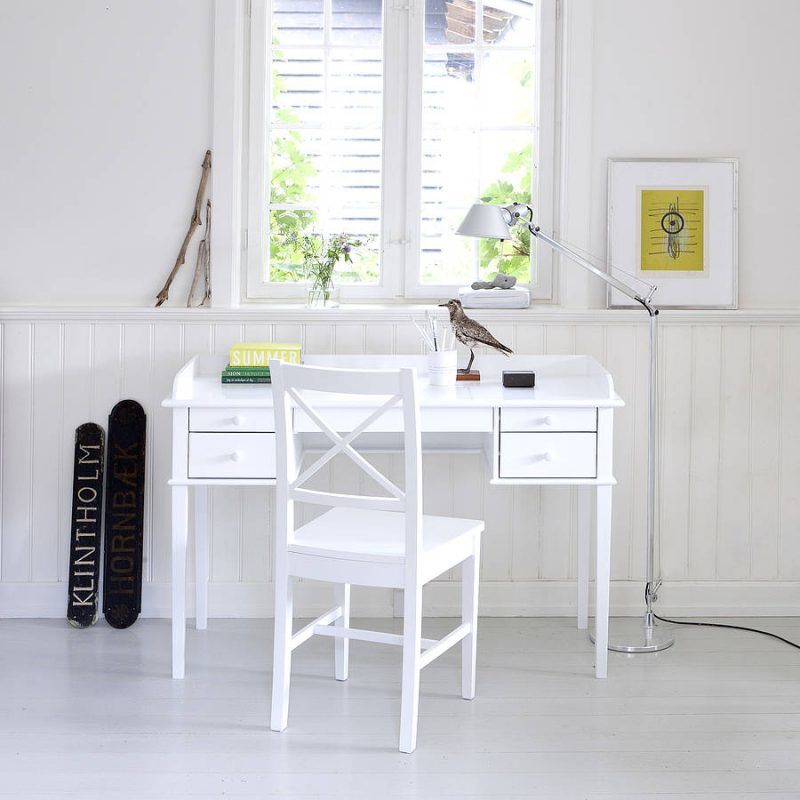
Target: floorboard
(94, 714)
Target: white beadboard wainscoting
(729, 460)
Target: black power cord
(723, 625)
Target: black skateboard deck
(124, 514)
(87, 508)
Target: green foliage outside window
(513, 256)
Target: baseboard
(442, 599)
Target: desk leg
(201, 556)
(584, 534)
(602, 580)
(180, 528)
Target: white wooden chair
(364, 540)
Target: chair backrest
(298, 386)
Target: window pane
(513, 25)
(451, 22)
(506, 89)
(297, 87)
(285, 257)
(356, 22)
(450, 167)
(478, 132)
(355, 88)
(295, 167)
(297, 21)
(454, 22)
(448, 100)
(355, 168)
(326, 131)
(506, 174)
(446, 258)
(363, 228)
(505, 166)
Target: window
(385, 120)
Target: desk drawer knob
(237, 455)
(548, 420)
(237, 420)
(543, 457)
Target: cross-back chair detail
(343, 445)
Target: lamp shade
(485, 222)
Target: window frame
(401, 170)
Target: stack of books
(248, 362)
(246, 375)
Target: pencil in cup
(435, 338)
(425, 336)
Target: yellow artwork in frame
(673, 230)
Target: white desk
(559, 433)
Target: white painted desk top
(574, 381)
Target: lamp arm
(515, 213)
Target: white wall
(107, 112)
(700, 78)
(106, 116)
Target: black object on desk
(519, 379)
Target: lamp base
(634, 635)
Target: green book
(253, 379)
(246, 372)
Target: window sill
(386, 313)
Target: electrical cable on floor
(725, 625)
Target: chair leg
(282, 650)
(412, 648)
(470, 581)
(342, 646)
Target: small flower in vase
(320, 257)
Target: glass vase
(323, 296)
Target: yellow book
(259, 354)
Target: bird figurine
(471, 333)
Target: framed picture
(672, 223)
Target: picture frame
(672, 222)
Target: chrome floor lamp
(495, 222)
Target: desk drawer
(432, 420)
(232, 420)
(231, 455)
(548, 419)
(548, 455)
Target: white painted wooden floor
(94, 714)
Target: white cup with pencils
(442, 356)
(442, 368)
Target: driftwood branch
(202, 267)
(195, 223)
(207, 259)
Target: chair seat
(379, 536)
